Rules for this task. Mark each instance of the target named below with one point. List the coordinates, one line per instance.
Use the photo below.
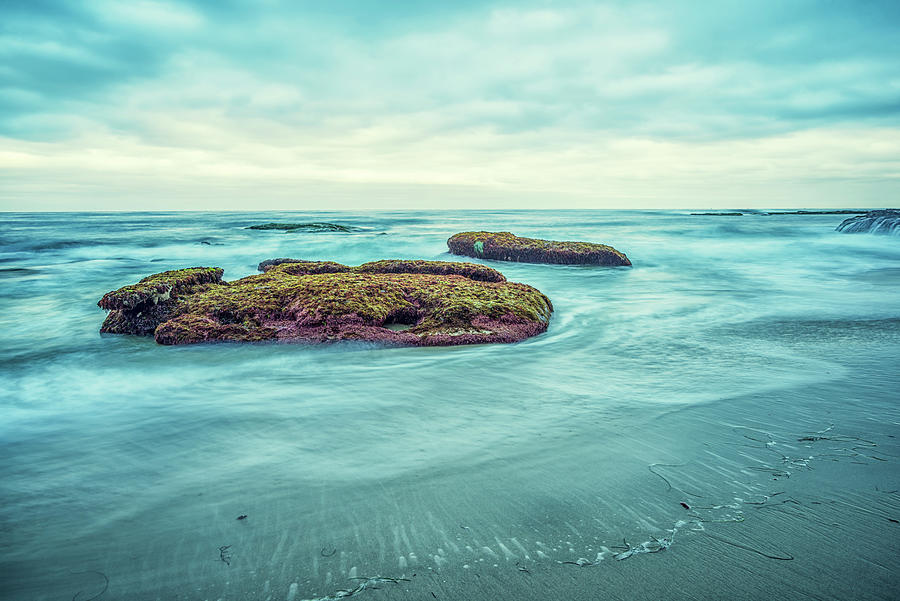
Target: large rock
(422, 303)
(885, 221)
(504, 246)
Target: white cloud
(587, 106)
(579, 169)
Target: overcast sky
(226, 104)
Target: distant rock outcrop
(797, 212)
(731, 214)
(504, 246)
(421, 303)
(885, 221)
(305, 227)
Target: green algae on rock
(304, 227)
(505, 246)
(140, 308)
(313, 301)
(473, 271)
(301, 267)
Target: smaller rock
(505, 246)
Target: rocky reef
(304, 227)
(504, 246)
(885, 221)
(418, 303)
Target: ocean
(719, 421)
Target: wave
(874, 222)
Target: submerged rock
(305, 227)
(504, 246)
(422, 303)
(885, 221)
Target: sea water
(718, 420)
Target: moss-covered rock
(270, 263)
(504, 246)
(140, 308)
(472, 271)
(301, 267)
(425, 303)
(159, 287)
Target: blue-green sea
(719, 421)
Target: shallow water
(745, 366)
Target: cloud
(146, 15)
(501, 98)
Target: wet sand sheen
(775, 505)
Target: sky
(239, 104)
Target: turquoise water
(470, 472)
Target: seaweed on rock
(472, 271)
(505, 246)
(159, 287)
(442, 303)
(140, 308)
(301, 267)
